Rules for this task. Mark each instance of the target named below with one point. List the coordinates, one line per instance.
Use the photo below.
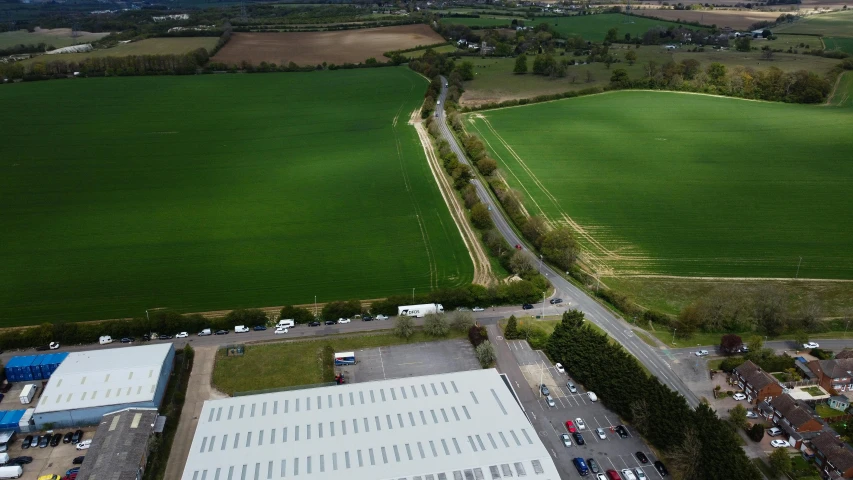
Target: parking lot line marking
(608, 421)
(382, 363)
(612, 464)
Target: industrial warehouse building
(89, 385)
(464, 425)
(119, 450)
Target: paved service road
(613, 325)
(833, 344)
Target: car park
(84, 445)
(347, 320)
(185, 334)
(572, 388)
(280, 330)
(550, 401)
(601, 434)
(567, 441)
(479, 309)
(579, 438)
(381, 317)
(26, 443)
(77, 437)
(44, 441)
(67, 437)
(314, 324)
(659, 466)
(811, 345)
(580, 424)
(78, 460)
(739, 396)
(628, 474)
(527, 306)
(593, 465)
(56, 439)
(127, 340)
(570, 426)
(621, 431)
(559, 367)
(642, 457)
(779, 443)
(592, 396)
(701, 353)
(221, 332)
(544, 390)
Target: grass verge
(288, 364)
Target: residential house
(839, 402)
(833, 457)
(794, 417)
(757, 384)
(847, 353)
(834, 374)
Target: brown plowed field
(311, 48)
(737, 19)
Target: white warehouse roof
(458, 426)
(97, 378)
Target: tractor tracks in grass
(483, 274)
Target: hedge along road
(614, 326)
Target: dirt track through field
(483, 274)
(312, 48)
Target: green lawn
(838, 23)
(845, 44)
(289, 364)
(651, 188)
(797, 42)
(214, 192)
(824, 411)
(595, 27)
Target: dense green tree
(511, 330)
(341, 309)
(465, 70)
(631, 57)
(780, 462)
(544, 65)
(461, 321)
(737, 415)
(486, 354)
(620, 78)
(297, 314)
(756, 432)
(481, 217)
(487, 165)
(520, 65)
(612, 35)
(743, 44)
(559, 247)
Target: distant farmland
(590, 27)
(689, 185)
(203, 193)
(149, 46)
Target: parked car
(205, 332)
(84, 445)
(368, 318)
(72, 470)
(165, 337)
(544, 390)
(612, 475)
(44, 441)
(774, 431)
(146, 337)
(810, 345)
(35, 441)
(601, 434)
(739, 396)
(592, 396)
(50, 346)
(580, 424)
(221, 332)
(621, 431)
(330, 322)
(56, 439)
(593, 465)
(479, 309)
(78, 460)
(381, 317)
(641, 475)
(570, 426)
(642, 457)
(182, 335)
(701, 353)
(50, 476)
(628, 474)
(550, 401)
(572, 388)
(279, 330)
(600, 476)
(26, 443)
(555, 301)
(463, 309)
(77, 437)
(559, 367)
(579, 438)
(21, 461)
(527, 306)
(314, 324)
(567, 441)
(661, 468)
(347, 320)
(751, 414)
(67, 437)
(779, 443)
(128, 340)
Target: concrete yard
(49, 460)
(413, 360)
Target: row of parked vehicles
(48, 439)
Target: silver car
(572, 387)
(600, 433)
(567, 440)
(550, 401)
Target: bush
(821, 354)
(461, 321)
(756, 432)
(731, 363)
(341, 309)
(486, 354)
(297, 314)
(511, 330)
(436, 325)
(404, 327)
(477, 335)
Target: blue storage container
(35, 367)
(7, 418)
(17, 366)
(17, 415)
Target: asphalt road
(833, 344)
(613, 325)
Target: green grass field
(845, 44)
(838, 23)
(842, 96)
(59, 38)
(688, 185)
(478, 22)
(214, 192)
(149, 46)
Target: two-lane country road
(613, 325)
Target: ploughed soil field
(311, 48)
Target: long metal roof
(104, 377)
(457, 426)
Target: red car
(570, 425)
(612, 475)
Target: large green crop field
(212, 192)
(688, 185)
(838, 23)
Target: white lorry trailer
(28, 393)
(419, 311)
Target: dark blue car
(259, 328)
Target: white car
(381, 317)
(53, 345)
(550, 401)
(628, 475)
(811, 345)
(572, 388)
(600, 433)
(567, 441)
(641, 475)
(701, 353)
(343, 320)
(479, 309)
(280, 330)
(84, 445)
(580, 424)
(751, 414)
(592, 396)
(779, 444)
(739, 396)
(600, 476)
(560, 368)
(182, 335)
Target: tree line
(698, 443)
(28, 48)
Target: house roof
(754, 376)
(837, 452)
(797, 413)
(449, 426)
(847, 353)
(842, 367)
(840, 399)
(120, 445)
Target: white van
(241, 329)
(286, 323)
(205, 332)
(12, 471)
(105, 339)
(28, 393)
(4, 458)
